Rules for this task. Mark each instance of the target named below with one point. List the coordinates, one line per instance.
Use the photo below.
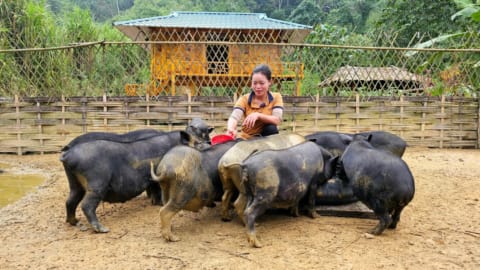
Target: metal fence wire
(220, 66)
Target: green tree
(104, 10)
(468, 19)
(309, 12)
(411, 21)
(30, 25)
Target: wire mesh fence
(50, 95)
(223, 68)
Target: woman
(261, 109)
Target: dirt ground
(439, 229)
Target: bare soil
(439, 229)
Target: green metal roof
(214, 20)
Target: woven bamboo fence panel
(45, 125)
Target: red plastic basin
(221, 138)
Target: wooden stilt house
(194, 50)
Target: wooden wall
(45, 125)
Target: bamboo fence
(44, 125)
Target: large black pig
(337, 191)
(197, 127)
(384, 140)
(334, 142)
(110, 136)
(189, 180)
(229, 168)
(337, 142)
(115, 171)
(281, 179)
(379, 179)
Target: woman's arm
(233, 122)
(265, 118)
(275, 118)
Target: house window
(217, 58)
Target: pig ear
(190, 129)
(185, 137)
(330, 167)
(346, 138)
(369, 138)
(210, 129)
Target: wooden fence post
(84, 114)
(337, 114)
(64, 133)
(478, 124)
(380, 114)
(147, 97)
(19, 135)
(40, 129)
(127, 116)
(317, 100)
(401, 115)
(422, 125)
(170, 116)
(294, 117)
(189, 101)
(357, 112)
(442, 120)
(105, 110)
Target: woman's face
(260, 84)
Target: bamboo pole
(147, 97)
(422, 125)
(337, 114)
(63, 117)
(84, 115)
(317, 100)
(357, 112)
(380, 115)
(105, 110)
(442, 120)
(401, 114)
(40, 129)
(478, 124)
(189, 101)
(18, 122)
(125, 107)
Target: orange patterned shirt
(245, 104)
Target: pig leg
(166, 214)
(396, 217)
(226, 198)
(311, 200)
(154, 193)
(384, 220)
(240, 204)
(294, 211)
(253, 211)
(76, 195)
(89, 206)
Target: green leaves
(471, 11)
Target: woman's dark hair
(263, 69)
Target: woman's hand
(232, 132)
(251, 119)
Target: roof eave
(141, 33)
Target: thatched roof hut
(377, 78)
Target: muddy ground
(439, 229)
